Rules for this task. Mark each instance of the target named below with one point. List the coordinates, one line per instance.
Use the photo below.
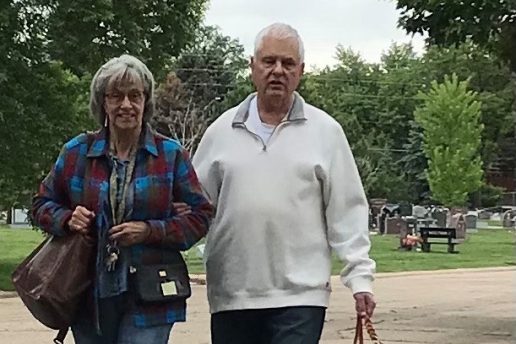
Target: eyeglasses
(116, 97)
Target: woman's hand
(129, 233)
(81, 219)
(135, 232)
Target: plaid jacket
(163, 174)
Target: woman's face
(124, 102)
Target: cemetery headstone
(458, 222)
(440, 215)
(484, 215)
(388, 210)
(394, 225)
(509, 219)
(19, 218)
(471, 221)
(375, 206)
(419, 211)
(405, 209)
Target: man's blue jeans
(287, 325)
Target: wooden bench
(438, 233)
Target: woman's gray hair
(280, 31)
(118, 69)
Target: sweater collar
(296, 111)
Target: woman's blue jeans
(117, 326)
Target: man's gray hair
(125, 67)
(280, 31)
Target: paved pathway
(471, 306)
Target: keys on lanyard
(112, 254)
(118, 209)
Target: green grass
(15, 245)
(487, 248)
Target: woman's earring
(105, 121)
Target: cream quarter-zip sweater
(282, 207)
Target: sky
(366, 26)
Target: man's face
(277, 68)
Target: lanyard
(118, 211)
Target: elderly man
(287, 191)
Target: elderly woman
(119, 185)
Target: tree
(375, 104)
(210, 65)
(491, 80)
(450, 119)
(84, 34)
(177, 115)
(489, 23)
(194, 94)
(50, 49)
(40, 108)
(414, 164)
(398, 86)
(40, 112)
(350, 92)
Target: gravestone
(426, 222)
(458, 222)
(509, 219)
(395, 225)
(484, 215)
(471, 221)
(440, 215)
(404, 232)
(375, 207)
(482, 223)
(391, 209)
(419, 211)
(19, 218)
(405, 209)
(388, 210)
(411, 224)
(497, 217)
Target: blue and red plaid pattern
(163, 174)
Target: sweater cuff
(360, 284)
(63, 225)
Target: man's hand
(364, 304)
(81, 220)
(129, 233)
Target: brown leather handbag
(52, 280)
(359, 332)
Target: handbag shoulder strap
(90, 137)
(61, 335)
